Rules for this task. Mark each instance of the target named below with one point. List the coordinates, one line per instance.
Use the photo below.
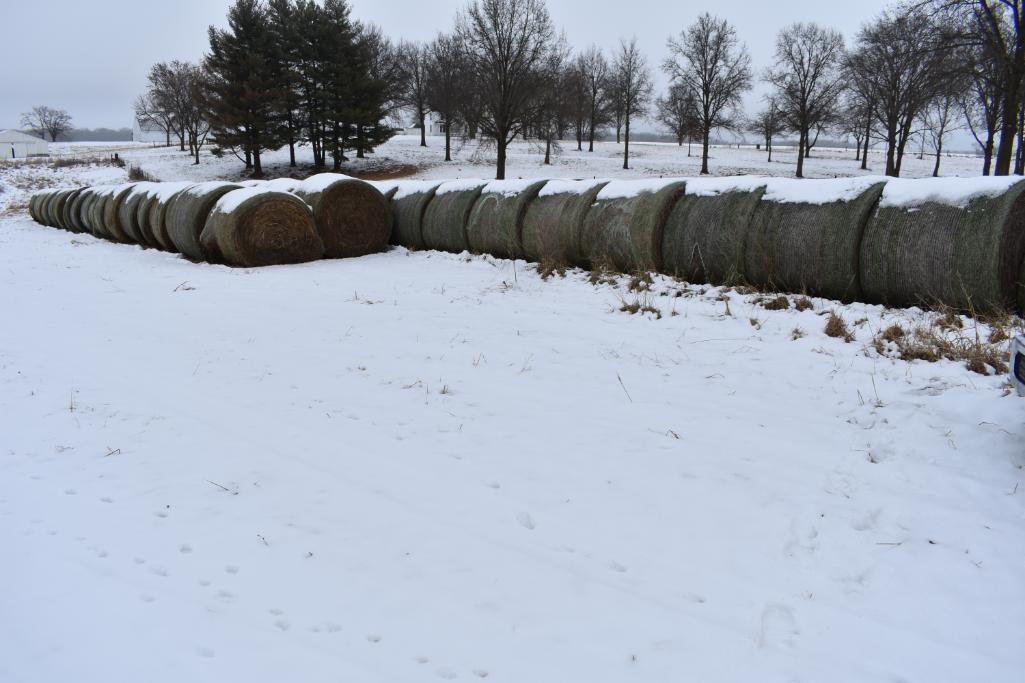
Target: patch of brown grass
(941, 339)
(837, 328)
(804, 304)
(640, 305)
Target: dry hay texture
(809, 248)
(352, 216)
(969, 258)
(128, 212)
(625, 233)
(704, 237)
(444, 223)
(156, 209)
(94, 208)
(112, 213)
(496, 222)
(79, 215)
(69, 214)
(553, 224)
(33, 207)
(408, 210)
(186, 216)
(261, 228)
(57, 208)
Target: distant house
(149, 130)
(17, 145)
(435, 126)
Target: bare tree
(903, 62)
(594, 71)
(148, 111)
(709, 60)
(807, 79)
(677, 110)
(576, 94)
(414, 63)
(939, 120)
(767, 124)
(508, 44)
(554, 100)
(446, 86)
(45, 120)
(994, 26)
(633, 87)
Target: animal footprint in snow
(446, 673)
(480, 673)
(231, 569)
(185, 548)
(374, 638)
(282, 624)
(526, 521)
(616, 567)
(205, 652)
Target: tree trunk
(500, 161)
(1007, 128)
(864, 153)
(626, 146)
(448, 140)
(590, 130)
(249, 158)
(704, 151)
(423, 130)
(801, 142)
(768, 146)
(257, 165)
(936, 168)
(548, 150)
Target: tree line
(298, 72)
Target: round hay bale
(955, 242)
(128, 212)
(704, 237)
(352, 216)
(60, 209)
(255, 227)
(552, 228)
(409, 203)
(186, 216)
(80, 215)
(806, 235)
(44, 208)
(92, 211)
(496, 222)
(111, 217)
(142, 214)
(52, 211)
(156, 219)
(33, 204)
(444, 224)
(71, 218)
(623, 228)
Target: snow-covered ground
(419, 465)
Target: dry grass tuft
(796, 333)
(943, 340)
(641, 282)
(804, 304)
(137, 175)
(779, 303)
(640, 305)
(837, 328)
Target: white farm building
(17, 145)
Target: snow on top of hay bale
(817, 190)
(626, 189)
(559, 186)
(460, 185)
(280, 184)
(510, 187)
(405, 188)
(711, 187)
(165, 191)
(200, 189)
(322, 181)
(234, 199)
(905, 192)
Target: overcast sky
(91, 57)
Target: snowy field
(423, 466)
